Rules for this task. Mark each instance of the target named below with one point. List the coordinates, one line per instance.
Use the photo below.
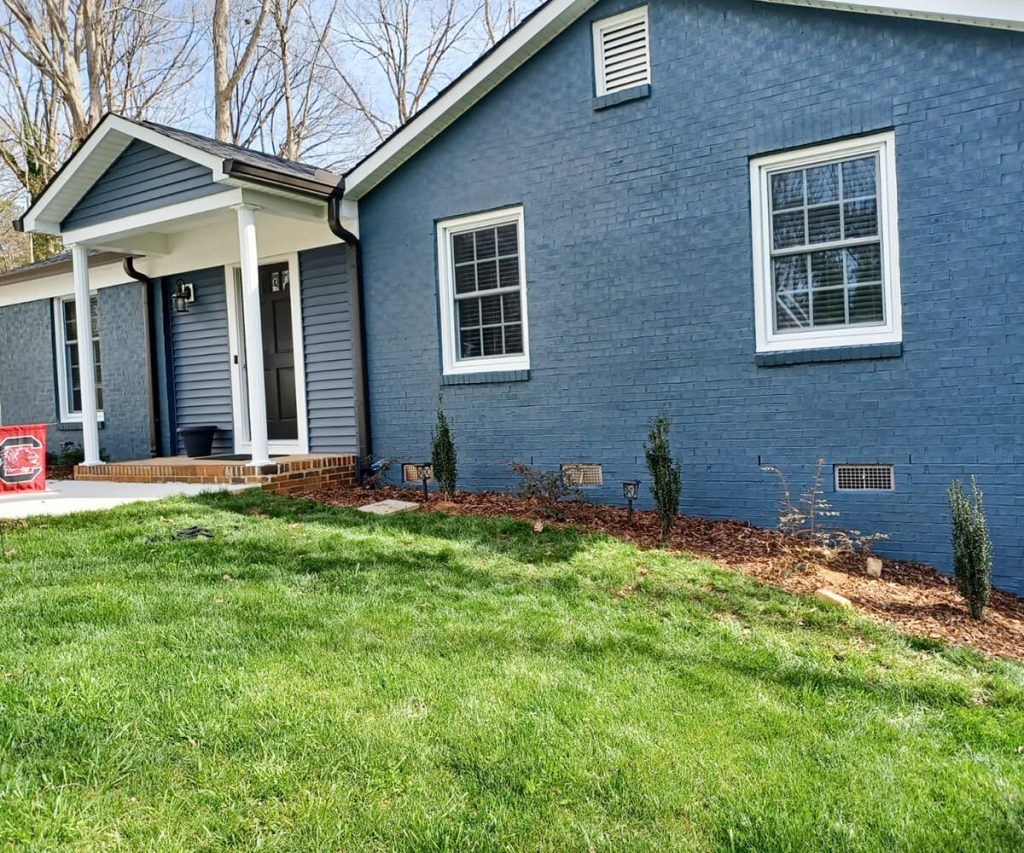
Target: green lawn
(314, 679)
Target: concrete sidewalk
(64, 496)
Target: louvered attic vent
(622, 52)
(864, 478)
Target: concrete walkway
(64, 496)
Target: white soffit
(1006, 14)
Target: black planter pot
(198, 440)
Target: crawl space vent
(864, 478)
(409, 474)
(582, 474)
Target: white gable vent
(864, 478)
(582, 474)
(622, 57)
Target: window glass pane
(789, 229)
(866, 304)
(826, 269)
(787, 190)
(791, 311)
(462, 247)
(823, 183)
(508, 271)
(486, 247)
(823, 224)
(469, 343)
(469, 312)
(99, 397)
(510, 303)
(829, 307)
(790, 273)
(859, 177)
(861, 218)
(493, 341)
(490, 310)
(465, 279)
(864, 263)
(487, 275)
(508, 239)
(514, 339)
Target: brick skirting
(287, 475)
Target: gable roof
(554, 16)
(114, 134)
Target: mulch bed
(913, 597)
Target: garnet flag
(23, 458)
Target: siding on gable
(639, 269)
(142, 178)
(202, 360)
(327, 332)
(28, 382)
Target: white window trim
(59, 346)
(761, 168)
(638, 14)
(454, 366)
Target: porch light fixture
(425, 472)
(630, 489)
(183, 296)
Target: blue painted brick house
(795, 227)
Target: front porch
(282, 474)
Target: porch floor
(284, 474)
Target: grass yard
(314, 679)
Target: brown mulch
(913, 597)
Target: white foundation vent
(582, 474)
(865, 478)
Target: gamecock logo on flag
(23, 458)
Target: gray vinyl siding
(202, 360)
(327, 332)
(142, 178)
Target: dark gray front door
(278, 352)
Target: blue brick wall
(28, 380)
(638, 261)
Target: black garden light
(425, 472)
(630, 489)
(183, 296)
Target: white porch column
(86, 360)
(249, 257)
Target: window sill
(76, 426)
(827, 354)
(484, 378)
(603, 102)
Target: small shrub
(972, 546)
(548, 488)
(62, 463)
(442, 454)
(666, 473)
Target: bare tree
(499, 18)
(235, 43)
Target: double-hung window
(826, 251)
(69, 379)
(482, 279)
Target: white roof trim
(1006, 14)
(103, 146)
(555, 16)
(523, 42)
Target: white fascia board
(93, 158)
(522, 43)
(1004, 14)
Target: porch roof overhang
(236, 176)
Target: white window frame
(59, 348)
(761, 170)
(446, 229)
(599, 27)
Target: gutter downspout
(154, 379)
(355, 277)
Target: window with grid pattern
(826, 245)
(69, 373)
(483, 292)
(864, 478)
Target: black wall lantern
(630, 489)
(183, 296)
(425, 471)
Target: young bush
(443, 455)
(548, 488)
(666, 473)
(972, 546)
